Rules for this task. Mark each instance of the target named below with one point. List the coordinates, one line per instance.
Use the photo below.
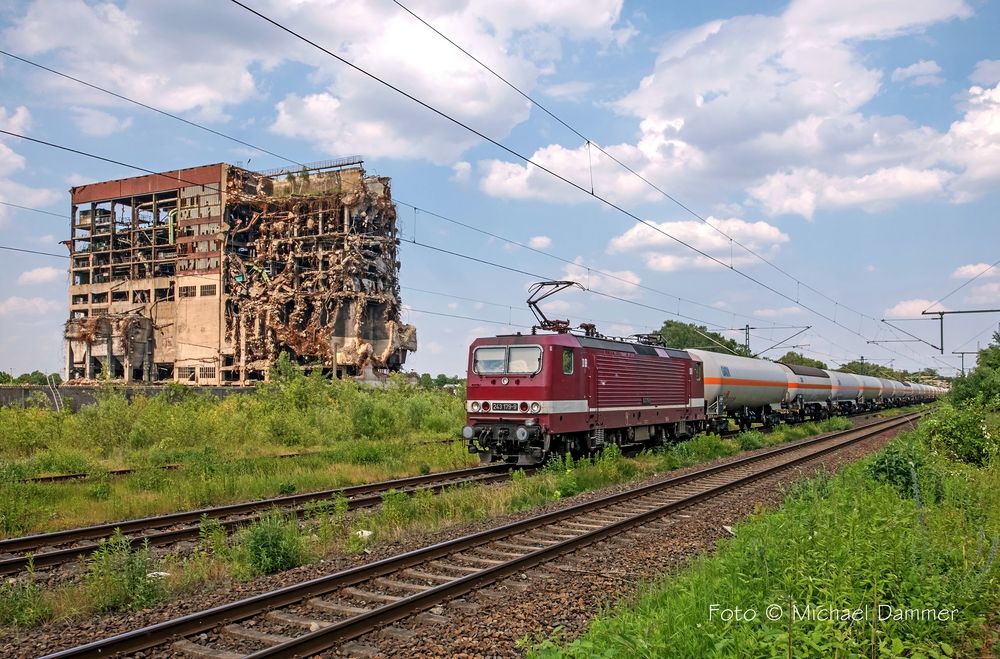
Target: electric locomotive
(530, 396)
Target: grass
(910, 528)
(276, 543)
(227, 448)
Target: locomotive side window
(697, 371)
(567, 361)
(524, 359)
(489, 360)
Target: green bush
(905, 465)
(271, 544)
(838, 543)
(961, 433)
(750, 440)
(22, 604)
(120, 577)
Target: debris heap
(206, 275)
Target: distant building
(206, 275)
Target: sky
(824, 164)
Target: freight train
(531, 396)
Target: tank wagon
(530, 396)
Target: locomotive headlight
(476, 406)
(468, 432)
(536, 408)
(521, 433)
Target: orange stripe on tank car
(745, 383)
(803, 385)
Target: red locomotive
(531, 396)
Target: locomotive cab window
(697, 371)
(524, 359)
(489, 360)
(567, 361)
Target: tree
(680, 335)
(426, 381)
(983, 382)
(798, 359)
(6, 378)
(441, 380)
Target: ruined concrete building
(206, 275)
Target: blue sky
(854, 145)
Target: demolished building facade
(206, 275)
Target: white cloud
(573, 90)
(663, 253)
(352, 114)
(21, 306)
(803, 190)
(620, 283)
(344, 112)
(461, 171)
(986, 73)
(98, 123)
(540, 242)
(988, 293)
(774, 313)
(18, 121)
(656, 156)
(871, 268)
(557, 307)
(922, 73)
(41, 275)
(975, 270)
(774, 105)
(912, 308)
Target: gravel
(533, 604)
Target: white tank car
(887, 388)
(808, 384)
(871, 388)
(742, 381)
(846, 386)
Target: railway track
(126, 471)
(50, 549)
(313, 616)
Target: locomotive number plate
(503, 407)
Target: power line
(942, 299)
(567, 261)
(149, 107)
(32, 251)
(642, 178)
(34, 210)
(545, 169)
(537, 276)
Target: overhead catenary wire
(961, 286)
(33, 251)
(237, 140)
(34, 210)
(707, 324)
(150, 107)
(591, 143)
(547, 170)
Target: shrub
(905, 465)
(22, 604)
(272, 544)
(750, 440)
(961, 433)
(120, 577)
